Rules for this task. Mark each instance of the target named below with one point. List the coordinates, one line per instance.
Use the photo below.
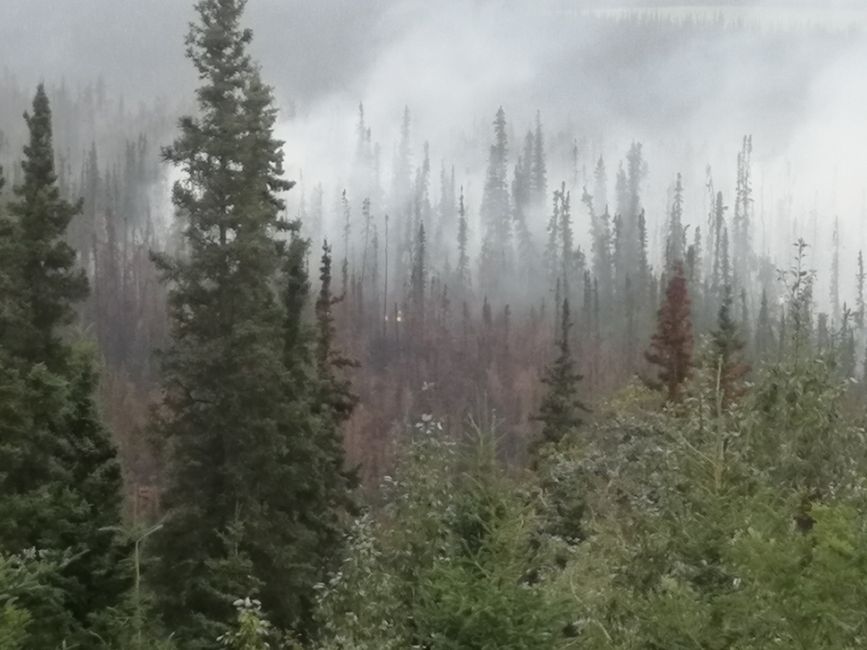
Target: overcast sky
(454, 61)
(310, 46)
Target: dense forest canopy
(392, 325)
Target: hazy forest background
(380, 325)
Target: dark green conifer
(859, 292)
(463, 266)
(248, 510)
(60, 482)
(51, 284)
(727, 347)
(335, 391)
(561, 408)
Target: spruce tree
(720, 248)
(630, 258)
(367, 233)
(522, 185)
(496, 254)
(859, 292)
(524, 246)
(727, 349)
(347, 231)
(335, 391)
(247, 513)
(8, 284)
(60, 482)
(537, 167)
(671, 346)
(742, 219)
(567, 253)
(600, 227)
(835, 274)
(463, 266)
(418, 277)
(332, 404)
(553, 247)
(560, 411)
(51, 283)
(675, 247)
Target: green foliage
(453, 561)
(60, 482)
(27, 595)
(732, 517)
(255, 488)
(481, 594)
(798, 282)
(722, 527)
(726, 352)
(252, 630)
(44, 282)
(560, 411)
(795, 425)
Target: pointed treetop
(560, 411)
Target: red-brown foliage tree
(671, 346)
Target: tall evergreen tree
(671, 346)
(418, 276)
(560, 411)
(835, 274)
(631, 236)
(51, 282)
(334, 402)
(567, 254)
(524, 247)
(538, 166)
(742, 219)
(497, 253)
(463, 266)
(347, 231)
(553, 248)
(522, 187)
(725, 269)
(367, 234)
(675, 247)
(247, 513)
(727, 348)
(859, 292)
(363, 154)
(720, 251)
(600, 247)
(60, 482)
(694, 259)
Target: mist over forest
(394, 324)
